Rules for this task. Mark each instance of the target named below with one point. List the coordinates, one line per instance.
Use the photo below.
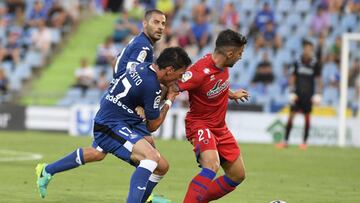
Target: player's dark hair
(173, 56)
(148, 13)
(229, 38)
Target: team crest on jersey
(142, 55)
(157, 102)
(218, 88)
(186, 76)
(206, 70)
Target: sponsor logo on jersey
(142, 55)
(186, 76)
(157, 102)
(206, 70)
(218, 88)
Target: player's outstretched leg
(223, 185)
(43, 179)
(149, 158)
(75, 159)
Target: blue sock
(139, 180)
(153, 181)
(70, 161)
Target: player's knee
(212, 164)
(153, 155)
(238, 177)
(162, 168)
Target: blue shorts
(118, 139)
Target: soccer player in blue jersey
(118, 128)
(140, 48)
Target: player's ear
(229, 54)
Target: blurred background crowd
(31, 31)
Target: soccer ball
(277, 201)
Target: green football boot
(157, 199)
(43, 179)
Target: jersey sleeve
(190, 80)
(151, 100)
(141, 53)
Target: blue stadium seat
(302, 6)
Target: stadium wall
(249, 127)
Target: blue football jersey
(139, 50)
(136, 87)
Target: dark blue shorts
(118, 139)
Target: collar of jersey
(143, 33)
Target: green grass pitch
(318, 175)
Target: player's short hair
(148, 13)
(173, 56)
(229, 38)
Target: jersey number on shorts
(127, 133)
(201, 134)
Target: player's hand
(316, 99)
(292, 98)
(241, 94)
(140, 111)
(173, 91)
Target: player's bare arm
(153, 125)
(240, 94)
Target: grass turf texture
(318, 175)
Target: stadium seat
(302, 6)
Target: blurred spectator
(354, 72)
(136, 12)
(41, 38)
(320, 22)
(102, 82)
(84, 76)
(57, 16)
(229, 17)
(167, 7)
(320, 48)
(12, 49)
(106, 53)
(200, 32)
(38, 13)
(264, 16)
(272, 39)
(169, 39)
(335, 6)
(19, 17)
(123, 28)
(182, 32)
(354, 6)
(5, 18)
(72, 8)
(200, 11)
(264, 73)
(336, 49)
(14, 5)
(4, 83)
